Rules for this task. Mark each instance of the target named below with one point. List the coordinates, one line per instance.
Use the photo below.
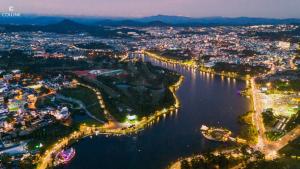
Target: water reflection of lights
(222, 80)
(171, 112)
(193, 75)
(164, 116)
(176, 113)
(228, 80)
(207, 77)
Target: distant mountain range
(159, 20)
(67, 26)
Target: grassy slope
(88, 97)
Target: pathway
(81, 105)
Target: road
(269, 148)
(273, 147)
(257, 117)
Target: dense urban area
(65, 81)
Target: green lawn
(86, 96)
(274, 135)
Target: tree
(5, 159)
(223, 162)
(44, 90)
(185, 164)
(198, 163)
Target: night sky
(139, 8)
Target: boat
(64, 156)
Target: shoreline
(251, 80)
(85, 131)
(193, 66)
(263, 145)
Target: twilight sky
(138, 8)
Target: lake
(205, 99)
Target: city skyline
(149, 84)
(189, 8)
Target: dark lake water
(205, 99)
